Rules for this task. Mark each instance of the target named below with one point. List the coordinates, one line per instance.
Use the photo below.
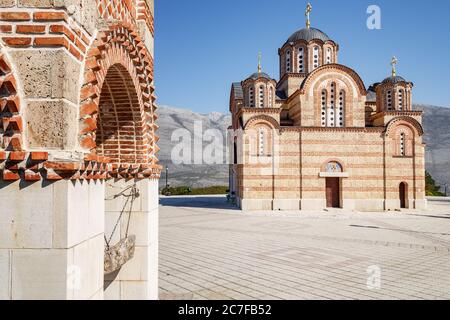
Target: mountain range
(436, 121)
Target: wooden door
(333, 193)
(403, 195)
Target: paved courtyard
(209, 250)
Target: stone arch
(11, 126)
(260, 138)
(324, 166)
(118, 66)
(263, 119)
(402, 138)
(409, 122)
(120, 132)
(343, 70)
(344, 79)
(269, 126)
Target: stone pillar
(69, 87)
(51, 240)
(138, 279)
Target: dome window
(328, 55)
(316, 57)
(400, 100)
(301, 60)
(288, 61)
(251, 98)
(270, 97)
(389, 100)
(261, 97)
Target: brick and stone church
(318, 138)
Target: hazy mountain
(437, 138)
(172, 119)
(436, 123)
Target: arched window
(328, 58)
(389, 100)
(331, 115)
(301, 60)
(340, 113)
(403, 142)
(251, 97)
(403, 193)
(261, 96)
(333, 167)
(400, 100)
(402, 145)
(323, 111)
(288, 61)
(235, 155)
(261, 142)
(270, 97)
(316, 57)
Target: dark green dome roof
(394, 80)
(308, 35)
(257, 75)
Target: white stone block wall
(51, 243)
(138, 279)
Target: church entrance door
(403, 195)
(333, 193)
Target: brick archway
(120, 129)
(11, 127)
(118, 70)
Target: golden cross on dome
(259, 63)
(394, 62)
(307, 13)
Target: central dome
(394, 80)
(308, 35)
(258, 75)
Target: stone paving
(209, 250)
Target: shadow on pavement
(219, 202)
(401, 230)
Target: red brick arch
(262, 119)
(339, 161)
(409, 122)
(334, 67)
(11, 127)
(117, 114)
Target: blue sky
(202, 46)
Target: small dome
(308, 35)
(394, 80)
(257, 75)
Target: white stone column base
(286, 204)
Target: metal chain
(133, 195)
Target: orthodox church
(318, 138)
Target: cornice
(331, 129)
(259, 110)
(397, 114)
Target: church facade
(318, 138)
